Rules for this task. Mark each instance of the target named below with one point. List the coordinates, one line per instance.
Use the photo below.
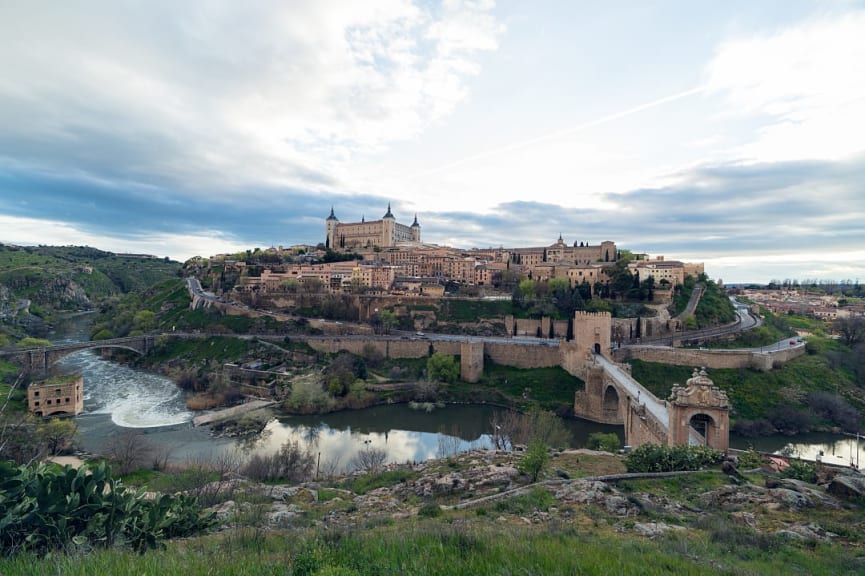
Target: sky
(728, 133)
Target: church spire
(388, 215)
(413, 224)
(332, 215)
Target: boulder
(848, 486)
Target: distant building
(384, 233)
(57, 395)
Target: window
(36, 393)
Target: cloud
(224, 95)
(805, 85)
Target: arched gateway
(702, 407)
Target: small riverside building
(59, 395)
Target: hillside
(477, 514)
(39, 282)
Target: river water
(117, 397)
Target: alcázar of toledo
(393, 258)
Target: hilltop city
(387, 256)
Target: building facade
(384, 233)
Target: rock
(848, 486)
(653, 529)
(281, 515)
(744, 519)
(806, 531)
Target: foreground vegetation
(378, 523)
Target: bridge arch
(611, 404)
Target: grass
(455, 310)
(432, 546)
(753, 393)
(367, 482)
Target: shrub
(656, 458)
(800, 470)
(292, 463)
(789, 420)
(534, 460)
(608, 442)
(835, 409)
(431, 510)
(48, 507)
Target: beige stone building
(58, 395)
(383, 233)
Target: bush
(656, 458)
(800, 470)
(431, 510)
(608, 442)
(291, 463)
(789, 420)
(834, 408)
(48, 507)
(534, 460)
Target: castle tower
(388, 222)
(415, 230)
(330, 230)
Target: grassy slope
(528, 534)
(752, 393)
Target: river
(117, 397)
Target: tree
(58, 434)
(534, 460)
(851, 328)
(29, 342)
(145, 320)
(443, 368)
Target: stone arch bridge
(39, 360)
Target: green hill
(37, 282)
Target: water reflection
(337, 450)
(828, 448)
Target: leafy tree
(33, 343)
(145, 320)
(608, 442)
(535, 459)
(443, 368)
(58, 434)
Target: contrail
(566, 131)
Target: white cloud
(32, 232)
(805, 85)
(220, 94)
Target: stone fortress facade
(383, 233)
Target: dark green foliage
(608, 442)
(469, 310)
(443, 368)
(367, 482)
(656, 458)
(48, 507)
(801, 470)
(534, 459)
(714, 308)
(539, 499)
(431, 510)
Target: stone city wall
(763, 361)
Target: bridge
(39, 360)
